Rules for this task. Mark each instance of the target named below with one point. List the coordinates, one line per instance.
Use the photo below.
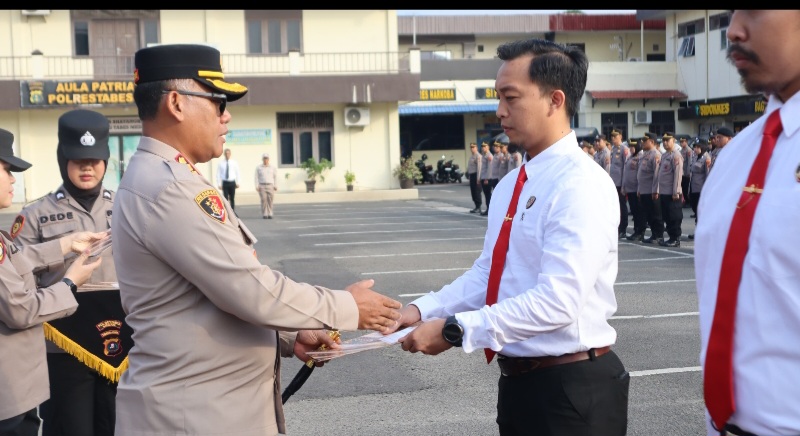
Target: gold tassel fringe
(85, 357)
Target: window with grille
(304, 135)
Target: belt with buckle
(732, 429)
(514, 366)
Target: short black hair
(554, 66)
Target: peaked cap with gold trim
(185, 61)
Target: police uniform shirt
(474, 163)
(670, 173)
(502, 165)
(767, 325)
(630, 180)
(514, 161)
(554, 261)
(56, 215)
(714, 153)
(688, 158)
(618, 155)
(648, 165)
(486, 166)
(24, 382)
(266, 175)
(603, 158)
(204, 310)
(699, 173)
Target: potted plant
(349, 178)
(315, 170)
(407, 172)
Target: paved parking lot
(416, 246)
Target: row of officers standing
(657, 185)
(486, 168)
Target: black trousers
(26, 424)
(623, 212)
(486, 186)
(672, 214)
(494, 183)
(475, 189)
(639, 219)
(585, 398)
(652, 212)
(229, 191)
(685, 184)
(82, 402)
(694, 199)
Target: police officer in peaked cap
(82, 400)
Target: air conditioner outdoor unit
(642, 117)
(35, 12)
(356, 116)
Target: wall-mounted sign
(249, 137)
(437, 94)
(50, 93)
(125, 125)
(485, 94)
(736, 106)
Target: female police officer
(24, 307)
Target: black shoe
(476, 210)
(263, 217)
(691, 237)
(693, 216)
(652, 240)
(269, 217)
(485, 212)
(622, 235)
(670, 243)
(639, 237)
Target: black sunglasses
(222, 98)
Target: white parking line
(653, 282)
(406, 254)
(412, 271)
(364, 232)
(657, 249)
(390, 242)
(663, 315)
(393, 217)
(655, 258)
(665, 371)
(289, 215)
(376, 224)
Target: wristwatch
(72, 286)
(452, 332)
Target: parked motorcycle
(447, 171)
(426, 170)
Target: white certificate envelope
(369, 341)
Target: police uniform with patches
(81, 400)
(648, 165)
(618, 154)
(486, 176)
(207, 314)
(630, 186)
(603, 157)
(668, 186)
(23, 308)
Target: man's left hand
(426, 338)
(311, 340)
(676, 196)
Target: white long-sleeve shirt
(557, 288)
(233, 175)
(766, 348)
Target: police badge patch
(17, 226)
(211, 203)
(530, 202)
(797, 174)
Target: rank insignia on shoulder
(211, 203)
(17, 226)
(180, 159)
(60, 195)
(107, 194)
(530, 202)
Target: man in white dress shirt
(228, 176)
(556, 287)
(762, 375)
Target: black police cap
(668, 135)
(724, 131)
(83, 134)
(650, 135)
(185, 61)
(16, 164)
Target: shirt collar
(564, 146)
(790, 112)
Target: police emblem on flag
(211, 203)
(530, 202)
(17, 226)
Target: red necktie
(500, 250)
(718, 378)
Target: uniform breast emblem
(797, 174)
(530, 202)
(2, 251)
(211, 204)
(17, 226)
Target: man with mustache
(746, 244)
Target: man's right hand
(408, 316)
(375, 311)
(80, 271)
